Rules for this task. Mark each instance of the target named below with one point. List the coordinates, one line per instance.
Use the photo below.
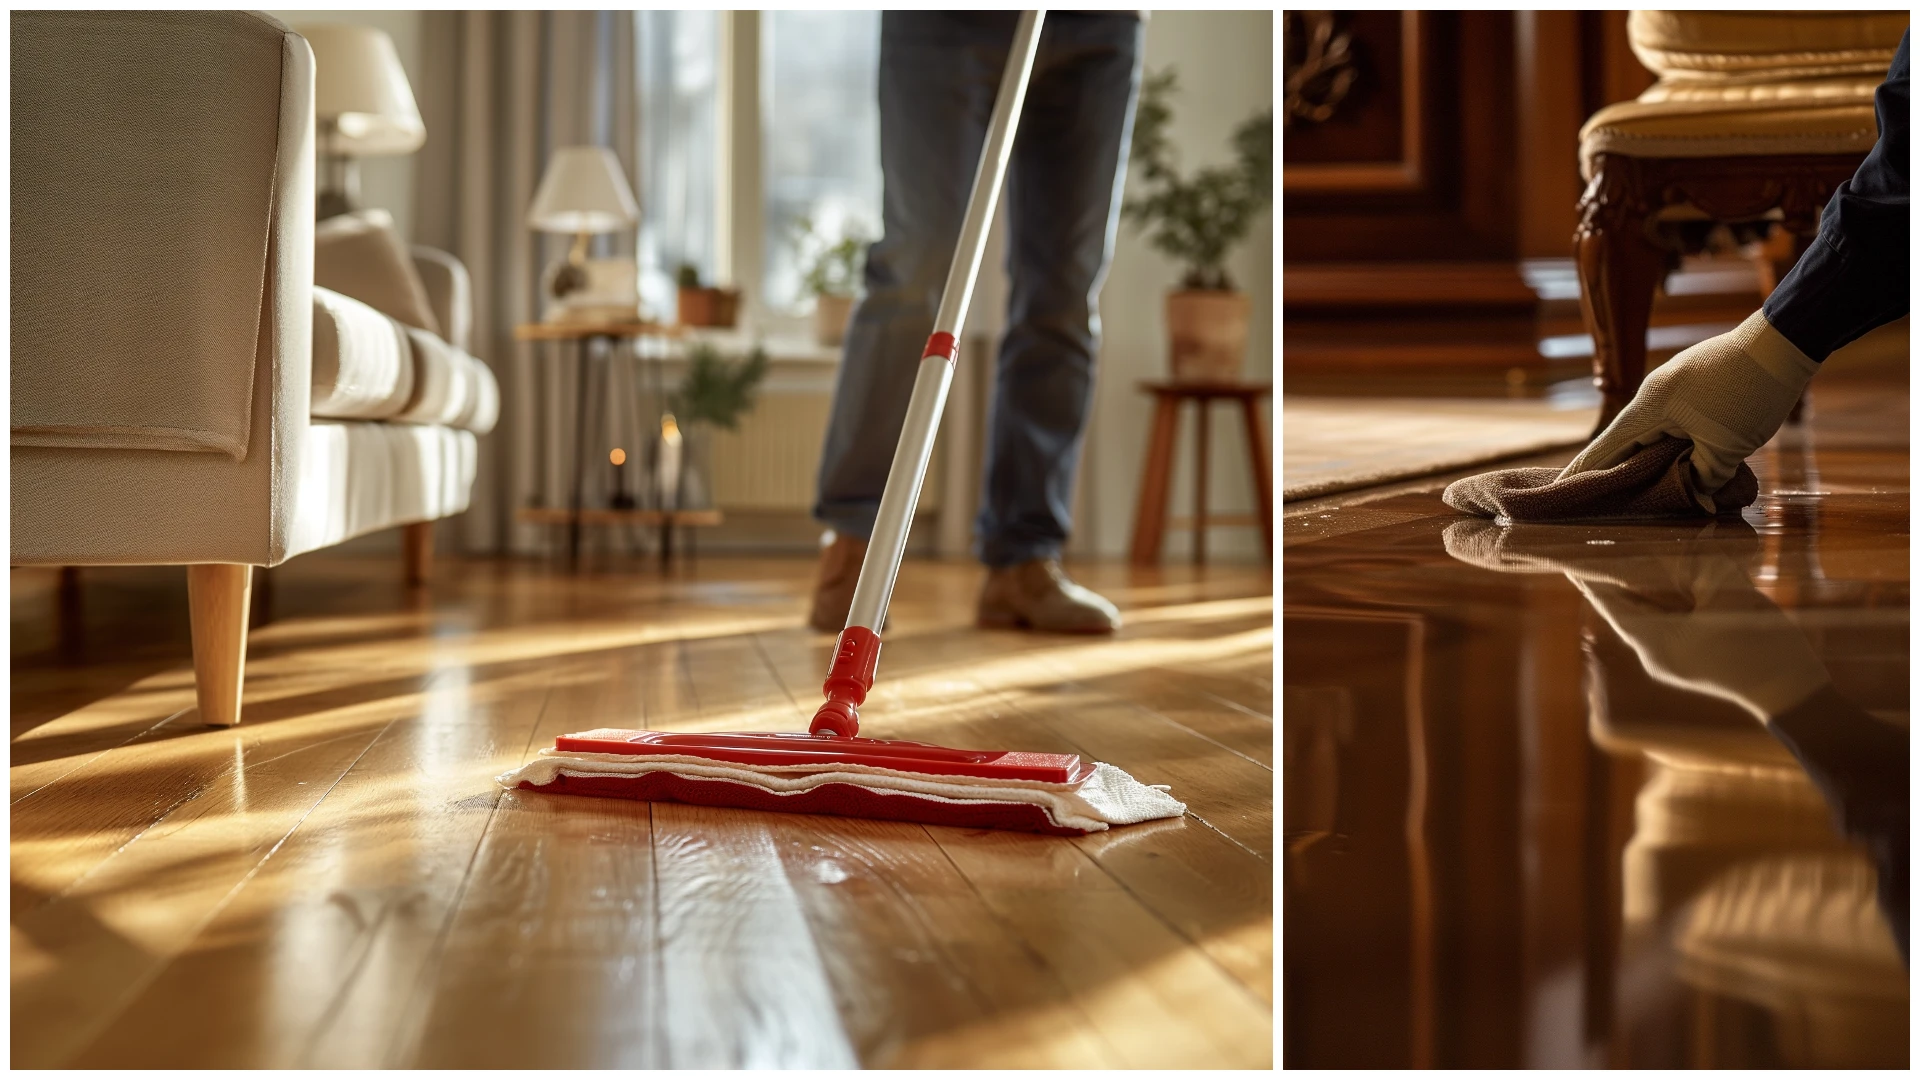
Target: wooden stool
(1150, 521)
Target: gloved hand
(1728, 394)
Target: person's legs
(1854, 276)
(1063, 206)
(938, 74)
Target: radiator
(771, 462)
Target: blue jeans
(1854, 276)
(939, 72)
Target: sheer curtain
(501, 90)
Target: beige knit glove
(1728, 394)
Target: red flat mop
(832, 770)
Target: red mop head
(833, 772)
(870, 778)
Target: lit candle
(620, 500)
(667, 478)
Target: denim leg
(1063, 210)
(938, 74)
(1854, 276)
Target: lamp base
(332, 204)
(339, 186)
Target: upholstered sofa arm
(162, 279)
(449, 292)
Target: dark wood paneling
(1368, 121)
(1459, 206)
(1416, 263)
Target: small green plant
(687, 276)
(830, 268)
(716, 391)
(1196, 220)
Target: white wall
(1225, 64)
(385, 182)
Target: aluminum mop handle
(858, 652)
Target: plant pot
(1207, 329)
(830, 317)
(709, 307)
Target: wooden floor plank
(1214, 891)
(743, 979)
(336, 883)
(924, 973)
(310, 955)
(547, 960)
(1155, 1001)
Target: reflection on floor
(1529, 817)
(337, 883)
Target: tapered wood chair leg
(218, 597)
(417, 541)
(1150, 517)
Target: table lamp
(363, 106)
(583, 192)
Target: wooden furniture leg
(1620, 269)
(1258, 467)
(1150, 517)
(1202, 438)
(217, 599)
(416, 541)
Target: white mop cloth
(1108, 797)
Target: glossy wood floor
(337, 882)
(1523, 826)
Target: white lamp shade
(584, 191)
(360, 87)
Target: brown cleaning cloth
(1654, 483)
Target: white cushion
(362, 477)
(363, 365)
(451, 387)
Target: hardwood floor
(337, 882)
(1527, 823)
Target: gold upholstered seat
(1757, 117)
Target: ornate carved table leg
(1619, 270)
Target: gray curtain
(501, 90)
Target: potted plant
(831, 275)
(1198, 220)
(702, 304)
(714, 393)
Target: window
(677, 62)
(820, 137)
(816, 114)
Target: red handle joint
(848, 681)
(943, 345)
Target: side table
(575, 515)
(1150, 519)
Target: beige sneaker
(833, 588)
(1038, 595)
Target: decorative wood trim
(1407, 174)
(1623, 250)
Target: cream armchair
(182, 394)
